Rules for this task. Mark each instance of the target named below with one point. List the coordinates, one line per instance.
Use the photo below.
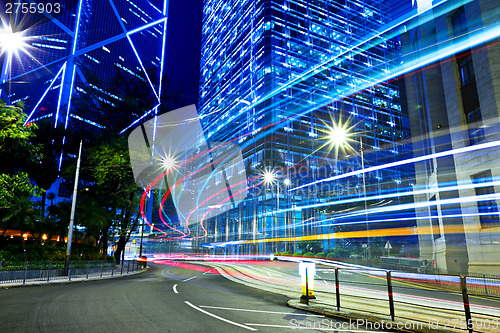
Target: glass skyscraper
(76, 50)
(281, 78)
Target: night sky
(183, 48)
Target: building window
(458, 22)
(467, 79)
(470, 98)
(488, 210)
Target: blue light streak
(45, 93)
(60, 95)
(78, 16)
(146, 26)
(162, 64)
(404, 162)
(142, 66)
(139, 119)
(70, 95)
(391, 195)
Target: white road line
(298, 327)
(192, 277)
(220, 318)
(175, 288)
(248, 310)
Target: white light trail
(404, 162)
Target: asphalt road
(185, 298)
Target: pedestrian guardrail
(459, 303)
(46, 271)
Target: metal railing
(46, 271)
(465, 303)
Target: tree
(113, 195)
(15, 192)
(44, 170)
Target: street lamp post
(338, 137)
(73, 206)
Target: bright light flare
(269, 177)
(169, 162)
(12, 42)
(337, 136)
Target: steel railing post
(128, 266)
(337, 288)
(485, 286)
(70, 271)
(389, 292)
(102, 264)
(88, 269)
(50, 267)
(25, 272)
(113, 268)
(465, 297)
(121, 271)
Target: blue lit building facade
(78, 51)
(276, 77)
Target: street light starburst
(169, 162)
(12, 42)
(269, 177)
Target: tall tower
(284, 79)
(75, 48)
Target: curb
(370, 322)
(75, 280)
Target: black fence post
(25, 272)
(113, 268)
(307, 288)
(128, 266)
(48, 275)
(465, 297)
(485, 286)
(70, 271)
(337, 288)
(391, 298)
(121, 271)
(88, 269)
(102, 264)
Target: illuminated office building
(77, 51)
(454, 104)
(276, 75)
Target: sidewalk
(75, 278)
(412, 313)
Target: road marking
(220, 318)
(298, 327)
(192, 277)
(248, 310)
(175, 288)
(207, 272)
